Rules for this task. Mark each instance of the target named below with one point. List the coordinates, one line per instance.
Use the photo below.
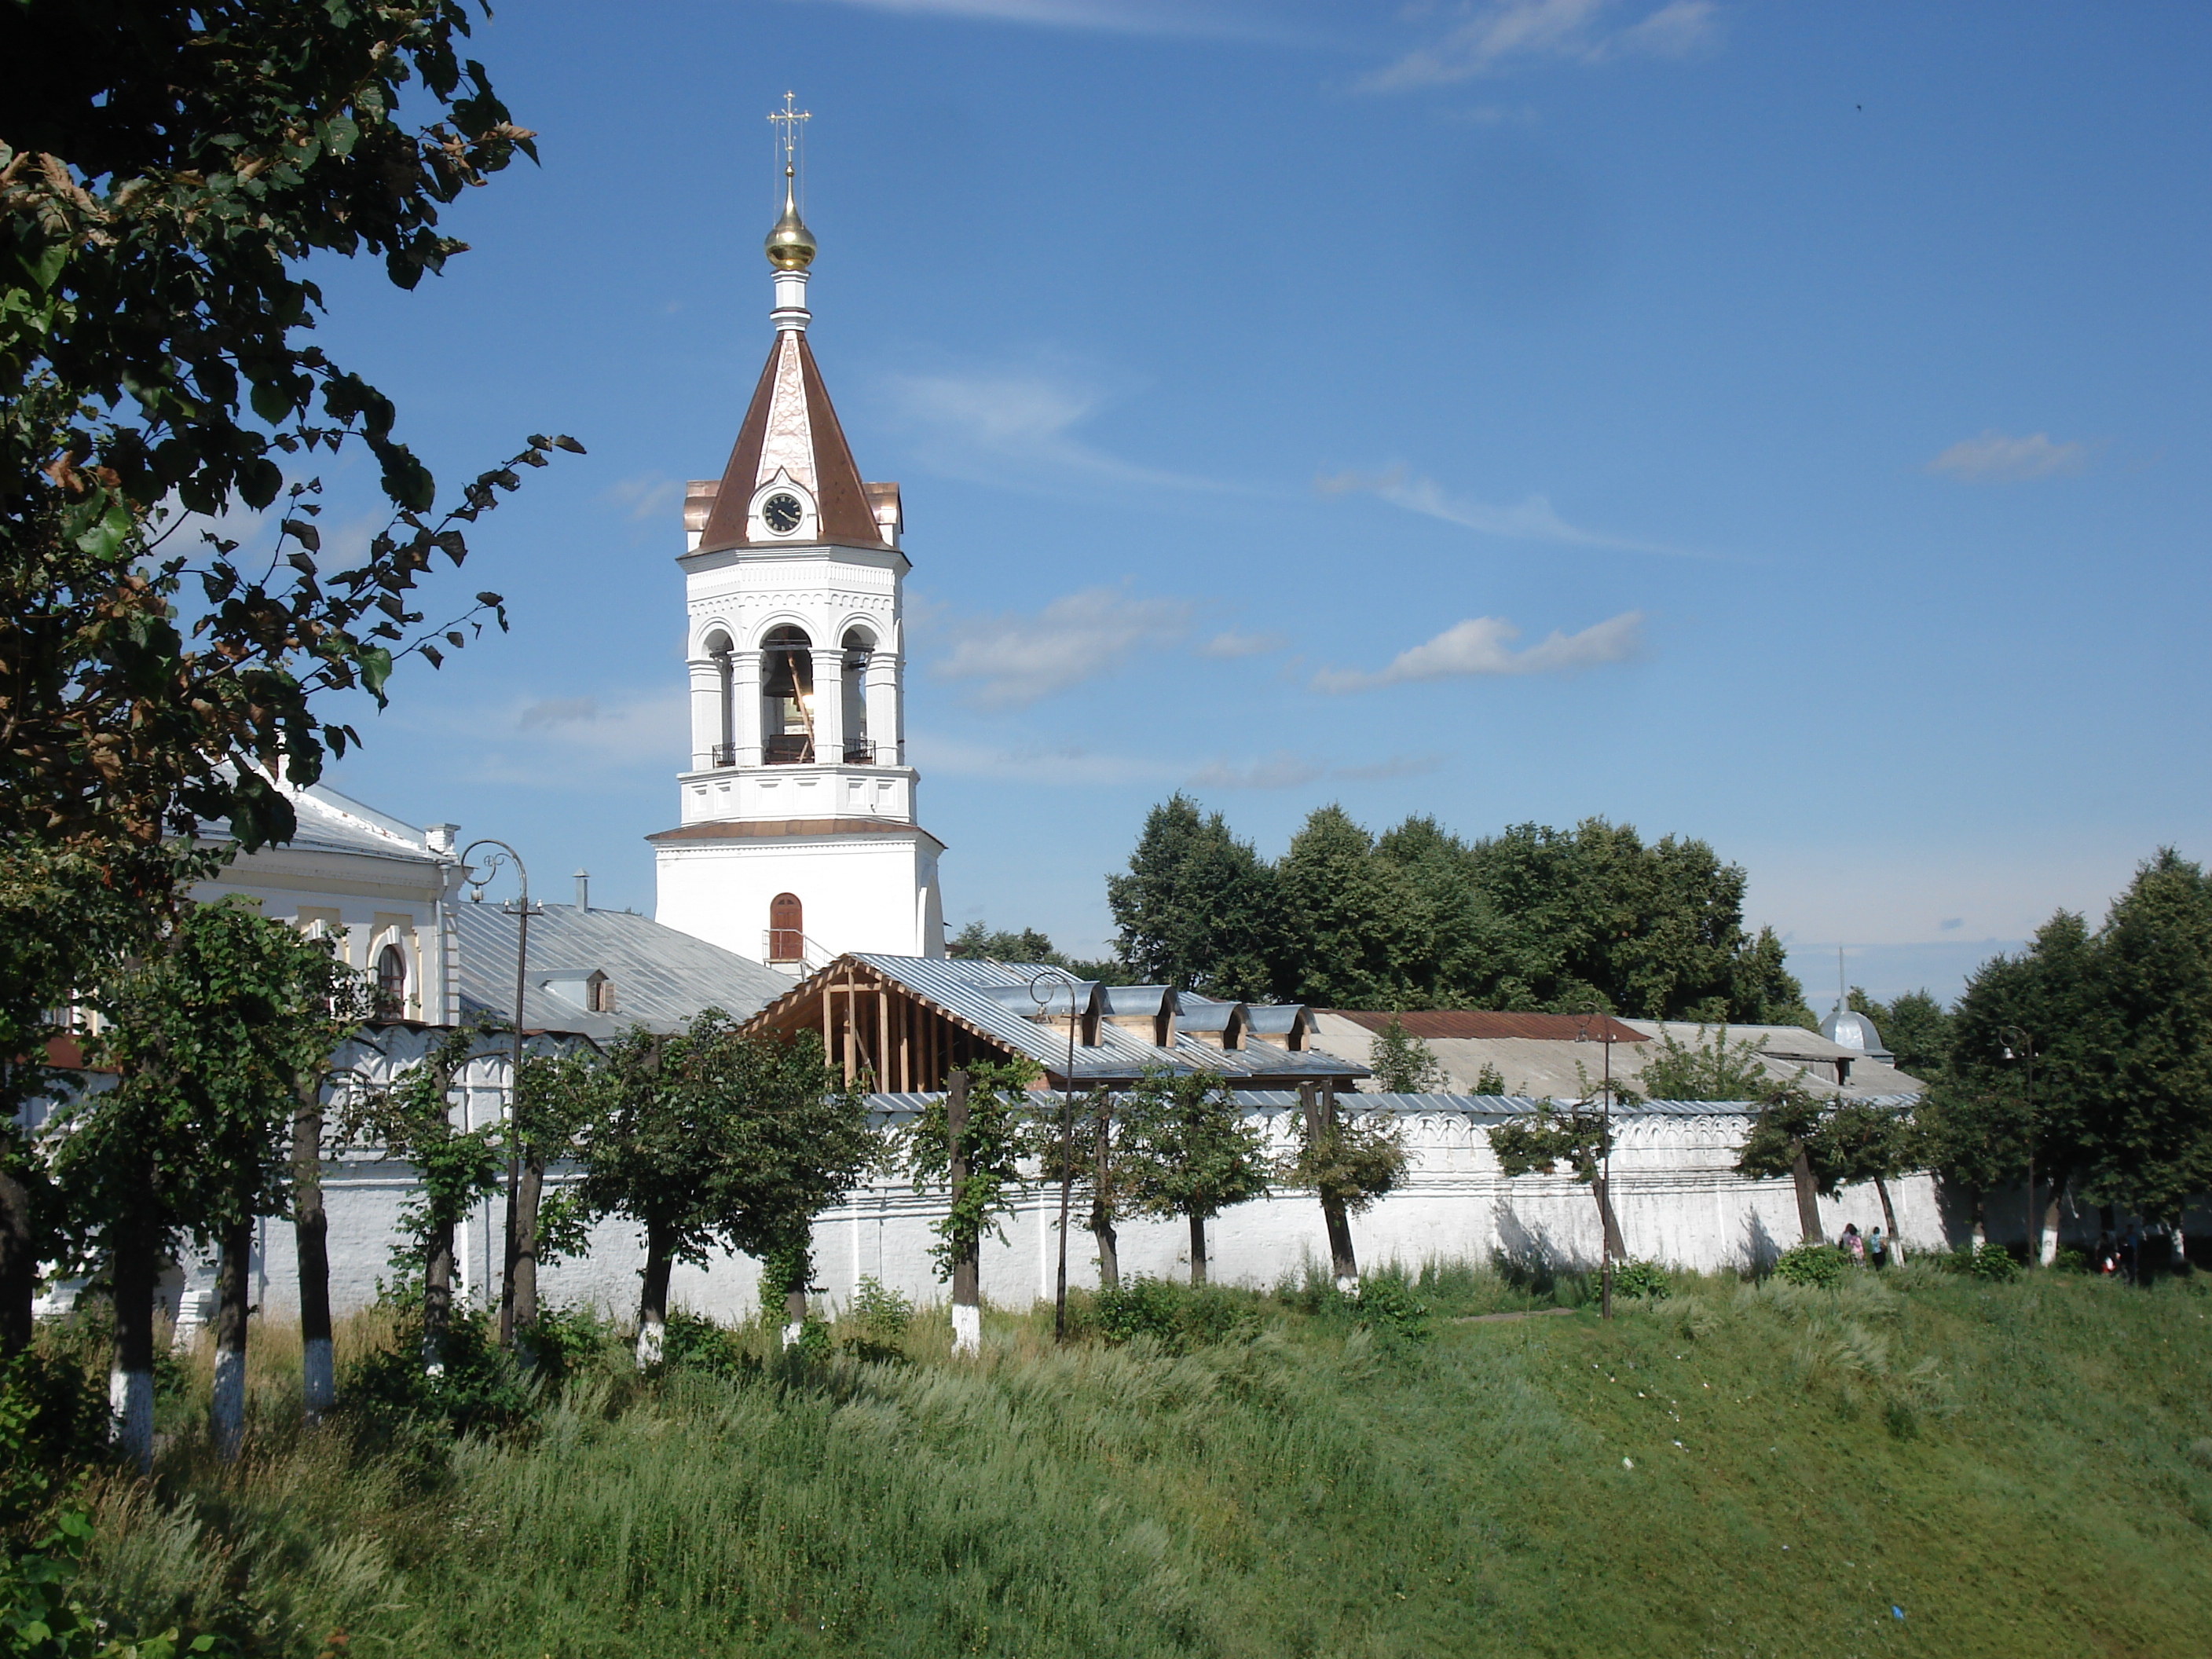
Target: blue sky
(1777, 424)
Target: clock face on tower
(782, 513)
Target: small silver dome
(1850, 1028)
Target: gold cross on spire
(790, 118)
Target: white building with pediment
(798, 839)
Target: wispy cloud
(1017, 427)
(1993, 457)
(647, 496)
(1286, 770)
(1229, 644)
(1482, 646)
(1492, 34)
(1104, 17)
(1530, 520)
(1013, 660)
(1065, 765)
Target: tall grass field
(1915, 1463)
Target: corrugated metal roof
(1498, 1106)
(964, 986)
(661, 977)
(1473, 1023)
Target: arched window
(786, 697)
(786, 928)
(392, 981)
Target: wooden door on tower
(787, 929)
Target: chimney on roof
(583, 891)
(441, 838)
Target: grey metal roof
(661, 977)
(1499, 1106)
(972, 988)
(330, 822)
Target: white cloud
(1494, 33)
(1105, 16)
(1286, 770)
(1012, 661)
(1993, 457)
(1531, 520)
(1481, 646)
(648, 496)
(1017, 427)
(1281, 770)
(1229, 644)
(1061, 765)
(558, 711)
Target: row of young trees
(165, 170)
(1531, 918)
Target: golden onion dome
(790, 245)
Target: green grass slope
(1734, 1469)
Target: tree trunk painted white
(318, 1380)
(227, 1406)
(653, 1299)
(2051, 1227)
(795, 1316)
(131, 1414)
(967, 1269)
(650, 1332)
(1889, 1223)
(131, 1376)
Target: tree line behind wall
(1532, 918)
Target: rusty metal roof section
(841, 503)
(1447, 1024)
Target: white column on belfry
(706, 711)
(829, 705)
(746, 706)
(882, 705)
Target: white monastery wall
(1679, 1202)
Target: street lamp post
(1605, 1224)
(2015, 1035)
(522, 911)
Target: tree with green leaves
(1862, 1143)
(971, 1140)
(1783, 1138)
(1916, 1029)
(66, 916)
(1191, 1153)
(976, 943)
(1086, 1151)
(1403, 1064)
(556, 1097)
(1196, 908)
(208, 1037)
(411, 1118)
(1577, 1136)
(2149, 1057)
(708, 1139)
(2043, 1010)
(1708, 1067)
(1347, 918)
(1349, 1162)
(165, 170)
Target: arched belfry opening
(786, 928)
(725, 729)
(787, 697)
(859, 647)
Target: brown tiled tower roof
(841, 499)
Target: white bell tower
(797, 839)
